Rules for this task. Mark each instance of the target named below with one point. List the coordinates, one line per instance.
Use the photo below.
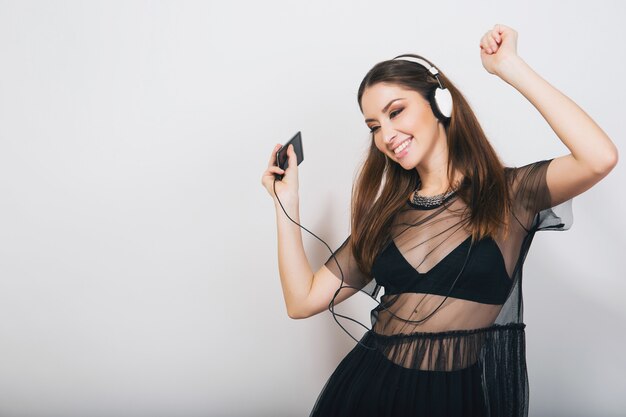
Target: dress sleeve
(352, 275)
(532, 201)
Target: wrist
(511, 69)
(292, 201)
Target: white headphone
(441, 102)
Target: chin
(408, 163)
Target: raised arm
(593, 154)
(306, 293)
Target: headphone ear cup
(443, 98)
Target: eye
(375, 128)
(396, 111)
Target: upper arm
(327, 280)
(539, 187)
(567, 178)
(325, 285)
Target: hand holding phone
(281, 155)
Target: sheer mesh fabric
(451, 307)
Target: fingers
(490, 42)
(492, 39)
(272, 168)
(275, 170)
(496, 36)
(271, 172)
(273, 156)
(293, 159)
(500, 28)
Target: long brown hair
(382, 186)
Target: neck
(432, 170)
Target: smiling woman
(414, 123)
(444, 228)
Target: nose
(388, 135)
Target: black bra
(484, 279)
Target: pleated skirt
(366, 383)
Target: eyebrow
(385, 108)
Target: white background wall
(138, 267)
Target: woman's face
(403, 124)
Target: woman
(444, 228)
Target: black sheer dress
(447, 337)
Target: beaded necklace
(430, 201)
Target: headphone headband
(431, 68)
(440, 99)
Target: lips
(404, 145)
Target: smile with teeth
(402, 146)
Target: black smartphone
(281, 154)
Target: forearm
(296, 275)
(579, 133)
